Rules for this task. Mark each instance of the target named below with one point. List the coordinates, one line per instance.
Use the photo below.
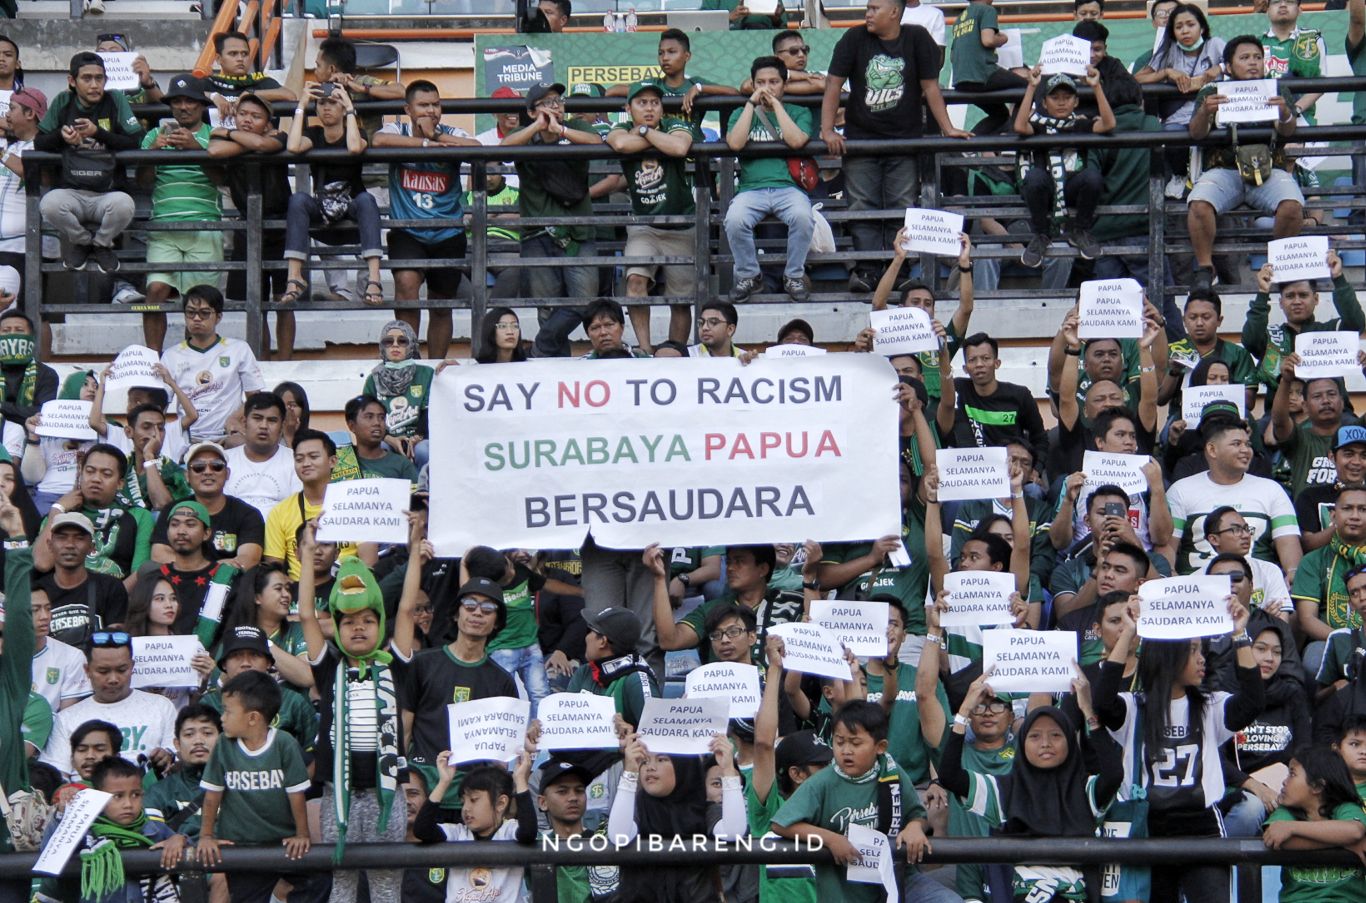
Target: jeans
(1114, 267)
(527, 663)
(1313, 660)
(1246, 817)
(986, 272)
(922, 888)
(878, 183)
(72, 212)
(422, 453)
(568, 281)
(305, 212)
(791, 205)
(615, 578)
(1080, 189)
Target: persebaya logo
(460, 694)
(436, 876)
(886, 82)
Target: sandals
(374, 293)
(293, 293)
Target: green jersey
(904, 740)
(535, 200)
(659, 186)
(390, 464)
(963, 822)
(1323, 883)
(678, 91)
(1242, 369)
(403, 413)
(1300, 54)
(908, 584)
(1320, 578)
(797, 888)
(256, 785)
(1271, 343)
(768, 172)
(184, 192)
(777, 607)
(627, 679)
(297, 716)
(178, 790)
(520, 599)
(971, 61)
(1310, 456)
(37, 724)
(929, 361)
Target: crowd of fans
(320, 712)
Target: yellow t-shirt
(282, 526)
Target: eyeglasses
(994, 707)
(194, 313)
(730, 633)
(796, 49)
(423, 610)
(110, 639)
(711, 321)
(394, 340)
(1236, 530)
(1233, 576)
(201, 466)
(484, 608)
(550, 102)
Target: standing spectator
(180, 193)
(675, 51)
(425, 191)
(1088, 10)
(766, 185)
(237, 530)
(87, 208)
(612, 667)
(235, 78)
(404, 387)
(890, 68)
(991, 412)
(14, 667)
(214, 371)
(27, 107)
(551, 188)
(976, 36)
(365, 418)
(1294, 51)
(338, 191)
(261, 470)
(928, 17)
(658, 186)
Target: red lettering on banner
(770, 445)
(427, 182)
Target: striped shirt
(184, 192)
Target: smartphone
(167, 126)
(326, 88)
(1115, 509)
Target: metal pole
(256, 317)
(478, 249)
(701, 237)
(33, 248)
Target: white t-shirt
(263, 484)
(1268, 582)
(173, 446)
(928, 18)
(483, 885)
(13, 212)
(59, 674)
(146, 719)
(60, 461)
(215, 379)
(1261, 502)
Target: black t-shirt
(71, 607)
(435, 680)
(1007, 415)
(424, 885)
(364, 771)
(238, 524)
(327, 173)
(190, 589)
(884, 81)
(1066, 456)
(275, 188)
(1314, 506)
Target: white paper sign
(1114, 469)
(1327, 354)
(1010, 55)
(1066, 54)
(862, 626)
(214, 599)
(1029, 661)
(902, 330)
(1247, 101)
(577, 721)
(1194, 399)
(761, 7)
(365, 511)
(933, 232)
(811, 649)
(682, 727)
(1110, 309)
(794, 351)
(66, 420)
(978, 599)
(1180, 608)
(733, 681)
(900, 557)
(488, 730)
(81, 812)
(4, 102)
(135, 367)
(875, 859)
(164, 661)
(1293, 259)
(118, 71)
(972, 473)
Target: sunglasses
(484, 608)
(801, 48)
(110, 639)
(394, 340)
(215, 466)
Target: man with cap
(796, 332)
(27, 108)
(659, 185)
(194, 572)
(70, 587)
(246, 648)
(237, 529)
(1306, 447)
(562, 794)
(611, 666)
(180, 193)
(547, 124)
(1314, 504)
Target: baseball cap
(505, 92)
(1219, 409)
(247, 636)
(586, 89)
(73, 519)
(1349, 435)
(190, 505)
(619, 626)
(638, 87)
(798, 325)
(482, 586)
(184, 85)
(205, 447)
(553, 769)
(31, 99)
(801, 748)
(537, 92)
(1060, 80)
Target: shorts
(441, 281)
(1224, 189)
(184, 247)
(652, 241)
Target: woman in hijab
(674, 804)
(1049, 791)
(49, 463)
(404, 387)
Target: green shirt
(777, 608)
(256, 785)
(744, 22)
(929, 361)
(776, 890)
(1314, 582)
(403, 412)
(971, 61)
(1323, 883)
(534, 201)
(1125, 170)
(297, 717)
(1223, 156)
(37, 726)
(1242, 369)
(768, 172)
(904, 740)
(174, 792)
(687, 85)
(1298, 55)
(520, 599)
(658, 186)
(1310, 457)
(963, 822)
(907, 584)
(184, 192)
(391, 464)
(1271, 342)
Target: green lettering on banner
(991, 418)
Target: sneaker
(106, 261)
(860, 283)
(745, 287)
(796, 288)
(1085, 243)
(1032, 255)
(94, 7)
(75, 257)
(1203, 279)
(126, 294)
(1176, 188)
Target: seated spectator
(1189, 57)
(315, 456)
(58, 669)
(124, 534)
(1204, 314)
(261, 470)
(174, 798)
(63, 548)
(1112, 71)
(974, 518)
(766, 185)
(1224, 185)
(500, 338)
(237, 530)
(25, 382)
(49, 464)
(1314, 506)
(1052, 181)
(790, 47)
(611, 666)
(338, 195)
(87, 206)
(11, 69)
(976, 37)
(504, 123)
(1323, 599)
(366, 419)
(246, 646)
(404, 387)
(715, 330)
(605, 323)
(742, 19)
(1319, 810)
(1088, 10)
(1107, 561)
(1159, 11)
(1227, 533)
(235, 78)
(154, 479)
(214, 371)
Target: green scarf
(15, 350)
(1336, 609)
(355, 590)
(101, 865)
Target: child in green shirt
(1351, 746)
(1319, 809)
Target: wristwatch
(643, 131)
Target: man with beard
(195, 574)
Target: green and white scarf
(102, 865)
(1057, 157)
(15, 350)
(1336, 607)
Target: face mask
(1191, 48)
(16, 349)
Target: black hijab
(683, 813)
(1048, 802)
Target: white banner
(1330, 354)
(1115, 469)
(577, 721)
(933, 232)
(81, 812)
(118, 71)
(1194, 399)
(1110, 309)
(902, 330)
(862, 626)
(811, 649)
(164, 661)
(735, 682)
(1029, 661)
(66, 420)
(1181, 608)
(1303, 257)
(488, 730)
(972, 473)
(135, 367)
(1246, 101)
(794, 351)
(978, 599)
(365, 511)
(875, 864)
(1065, 53)
(682, 727)
(682, 452)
